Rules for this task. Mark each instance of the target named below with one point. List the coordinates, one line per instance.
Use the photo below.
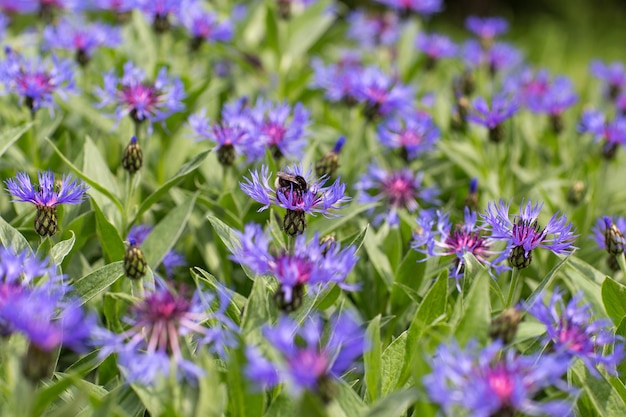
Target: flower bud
(504, 327)
(135, 265)
(613, 238)
(133, 156)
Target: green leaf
(603, 396)
(110, 240)
(572, 261)
(9, 137)
(282, 406)
(241, 401)
(186, 169)
(98, 281)
(259, 311)
(379, 260)
(434, 304)
(62, 249)
(95, 167)
(372, 359)
(165, 234)
(393, 364)
(225, 233)
(326, 226)
(393, 405)
(474, 312)
(304, 30)
(348, 400)
(408, 279)
(11, 238)
(614, 300)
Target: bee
(288, 182)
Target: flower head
(36, 81)
(611, 133)
(203, 26)
(314, 264)
(609, 234)
(613, 75)
(373, 29)
(502, 108)
(309, 360)
(413, 135)
(399, 189)
(572, 331)
(523, 234)
(159, 324)
(488, 382)
(382, 95)
(499, 58)
(118, 6)
(487, 28)
(437, 237)
(339, 81)
(141, 99)
(435, 47)
(159, 11)
(421, 7)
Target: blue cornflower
(435, 47)
(46, 196)
(501, 57)
(523, 233)
(172, 259)
(613, 75)
(609, 234)
(298, 193)
(611, 133)
(140, 98)
(339, 81)
(527, 84)
(233, 134)
(413, 135)
(488, 382)
(159, 324)
(315, 264)
(486, 28)
(35, 81)
(280, 128)
(203, 25)
(502, 108)
(159, 11)
(397, 190)
(437, 237)
(421, 7)
(572, 331)
(80, 37)
(382, 95)
(373, 29)
(555, 99)
(310, 359)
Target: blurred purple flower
(382, 95)
(558, 97)
(487, 28)
(414, 135)
(613, 75)
(435, 47)
(523, 234)
(397, 190)
(309, 357)
(141, 99)
(373, 29)
(502, 108)
(488, 382)
(501, 57)
(610, 133)
(572, 331)
(172, 259)
(117, 6)
(203, 25)
(339, 80)
(421, 7)
(158, 12)
(35, 81)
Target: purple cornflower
(310, 359)
(486, 28)
(382, 95)
(339, 81)
(435, 47)
(141, 99)
(609, 234)
(501, 57)
(437, 237)
(572, 331)
(558, 96)
(172, 259)
(489, 382)
(396, 189)
(373, 29)
(527, 85)
(81, 38)
(203, 25)
(502, 108)
(611, 133)
(297, 192)
(413, 135)
(159, 11)
(46, 196)
(151, 347)
(232, 134)
(315, 264)
(117, 6)
(421, 7)
(280, 128)
(523, 233)
(35, 81)
(613, 75)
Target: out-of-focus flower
(613, 75)
(381, 94)
(35, 81)
(501, 57)
(46, 196)
(314, 265)
(80, 37)
(611, 133)
(572, 331)
(159, 325)
(339, 81)
(159, 11)
(488, 382)
(310, 359)
(435, 47)
(437, 237)
(203, 26)
(523, 234)
(414, 135)
(296, 191)
(134, 95)
(117, 6)
(486, 28)
(421, 7)
(327, 165)
(373, 29)
(502, 108)
(396, 190)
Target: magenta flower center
(462, 241)
(399, 190)
(296, 268)
(275, 132)
(410, 138)
(141, 98)
(528, 232)
(34, 84)
(311, 361)
(501, 384)
(572, 337)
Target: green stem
(516, 279)
(136, 288)
(622, 263)
(32, 144)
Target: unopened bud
(132, 160)
(504, 327)
(613, 238)
(135, 265)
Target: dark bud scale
(46, 222)
(284, 9)
(82, 58)
(37, 364)
(135, 265)
(471, 201)
(294, 222)
(556, 121)
(576, 193)
(326, 389)
(226, 155)
(614, 240)
(327, 165)
(613, 263)
(517, 258)
(297, 293)
(195, 43)
(276, 152)
(372, 111)
(504, 327)
(609, 150)
(132, 160)
(496, 133)
(161, 23)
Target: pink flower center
(311, 361)
(275, 132)
(501, 384)
(399, 190)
